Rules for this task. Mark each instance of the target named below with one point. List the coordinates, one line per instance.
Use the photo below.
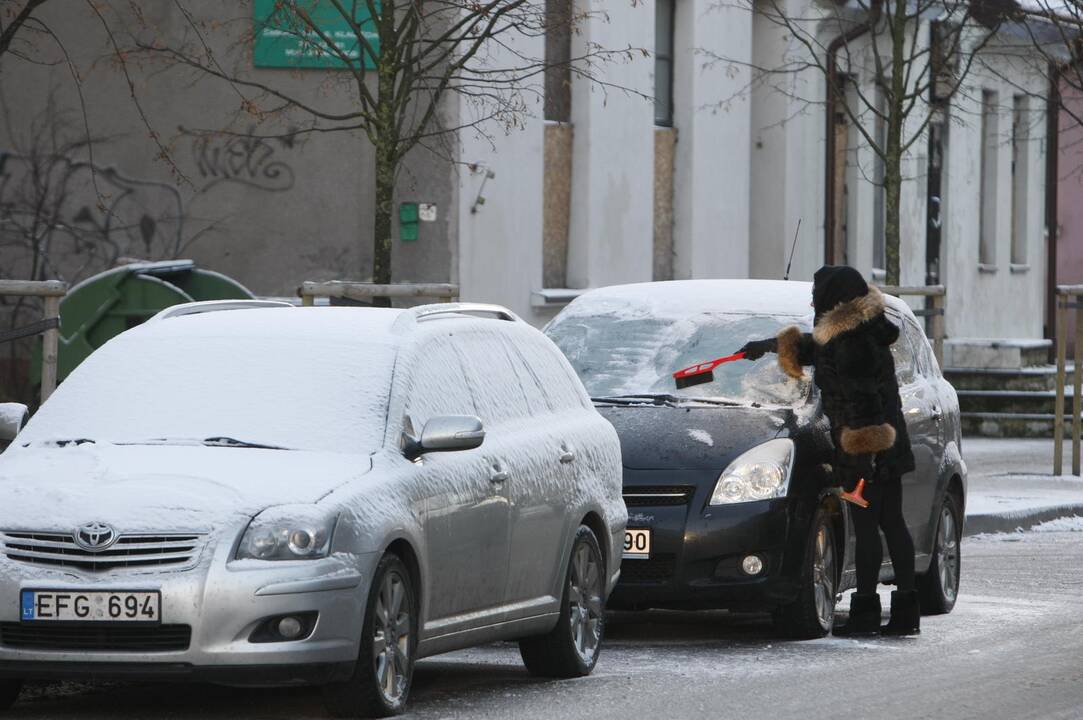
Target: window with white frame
(987, 219)
(1020, 171)
(663, 62)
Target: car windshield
(630, 353)
(255, 390)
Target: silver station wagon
(260, 495)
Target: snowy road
(1012, 649)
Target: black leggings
(883, 513)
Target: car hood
(686, 438)
(160, 487)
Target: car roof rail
(428, 312)
(209, 306)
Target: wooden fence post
(49, 347)
(1058, 408)
(1077, 379)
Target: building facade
(682, 164)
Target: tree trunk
(383, 218)
(892, 213)
(387, 160)
(893, 152)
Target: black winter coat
(850, 349)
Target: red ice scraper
(703, 372)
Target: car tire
(9, 692)
(812, 614)
(381, 680)
(939, 587)
(571, 648)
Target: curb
(1018, 520)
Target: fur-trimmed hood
(847, 316)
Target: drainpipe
(1052, 150)
(831, 100)
(1052, 175)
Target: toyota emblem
(95, 536)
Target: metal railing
(51, 292)
(1068, 300)
(367, 292)
(937, 299)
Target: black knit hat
(835, 284)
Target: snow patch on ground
(1065, 524)
(701, 436)
(1022, 500)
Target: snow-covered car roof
(358, 326)
(678, 298)
(681, 298)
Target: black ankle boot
(905, 614)
(864, 617)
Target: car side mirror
(447, 433)
(12, 418)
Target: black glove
(755, 349)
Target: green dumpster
(116, 300)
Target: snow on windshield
(306, 382)
(632, 351)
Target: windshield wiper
(665, 399)
(216, 441)
(68, 441)
(720, 401)
(223, 441)
(645, 399)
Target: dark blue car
(727, 488)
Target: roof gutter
(1052, 175)
(831, 101)
(1052, 171)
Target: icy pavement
(1011, 650)
(1011, 485)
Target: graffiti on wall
(65, 216)
(246, 159)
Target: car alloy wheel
(572, 647)
(823, 576)
(939, 587)
(585, 589)
(382, 676)
(812, 612)
(948, 554)
(391, 638)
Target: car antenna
(792, 248)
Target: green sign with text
(319, 36)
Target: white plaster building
(713, 180)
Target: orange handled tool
(856, 496)
(703, 372)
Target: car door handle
(567, 453)
(498, 473)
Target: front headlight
(761, 473)
(299, 532)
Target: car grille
(655, 495)
(113, 638)
(652, 571)
(133, 550)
